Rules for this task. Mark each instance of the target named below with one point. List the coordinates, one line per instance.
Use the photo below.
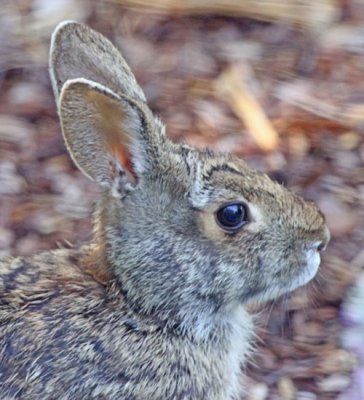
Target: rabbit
(156, 305)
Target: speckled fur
(154, 307)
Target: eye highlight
(232, 216)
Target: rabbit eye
(231, 217)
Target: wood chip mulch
(286, 96)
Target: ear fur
(106, 123)
(77, 51)
(104, 131)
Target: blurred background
(280, 83)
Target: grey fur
(155, 307)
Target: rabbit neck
(222, 342)
(194, 321)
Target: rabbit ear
(103, 129)
(79, 52)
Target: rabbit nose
(321, 245)
(317, 246)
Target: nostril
(318, 246)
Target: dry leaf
(231, 84)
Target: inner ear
(115, 124)
(100, 128)
(123, 158)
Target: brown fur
(155, 307)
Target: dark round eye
(231, 217)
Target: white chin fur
(313, 262)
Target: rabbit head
(188, 234)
